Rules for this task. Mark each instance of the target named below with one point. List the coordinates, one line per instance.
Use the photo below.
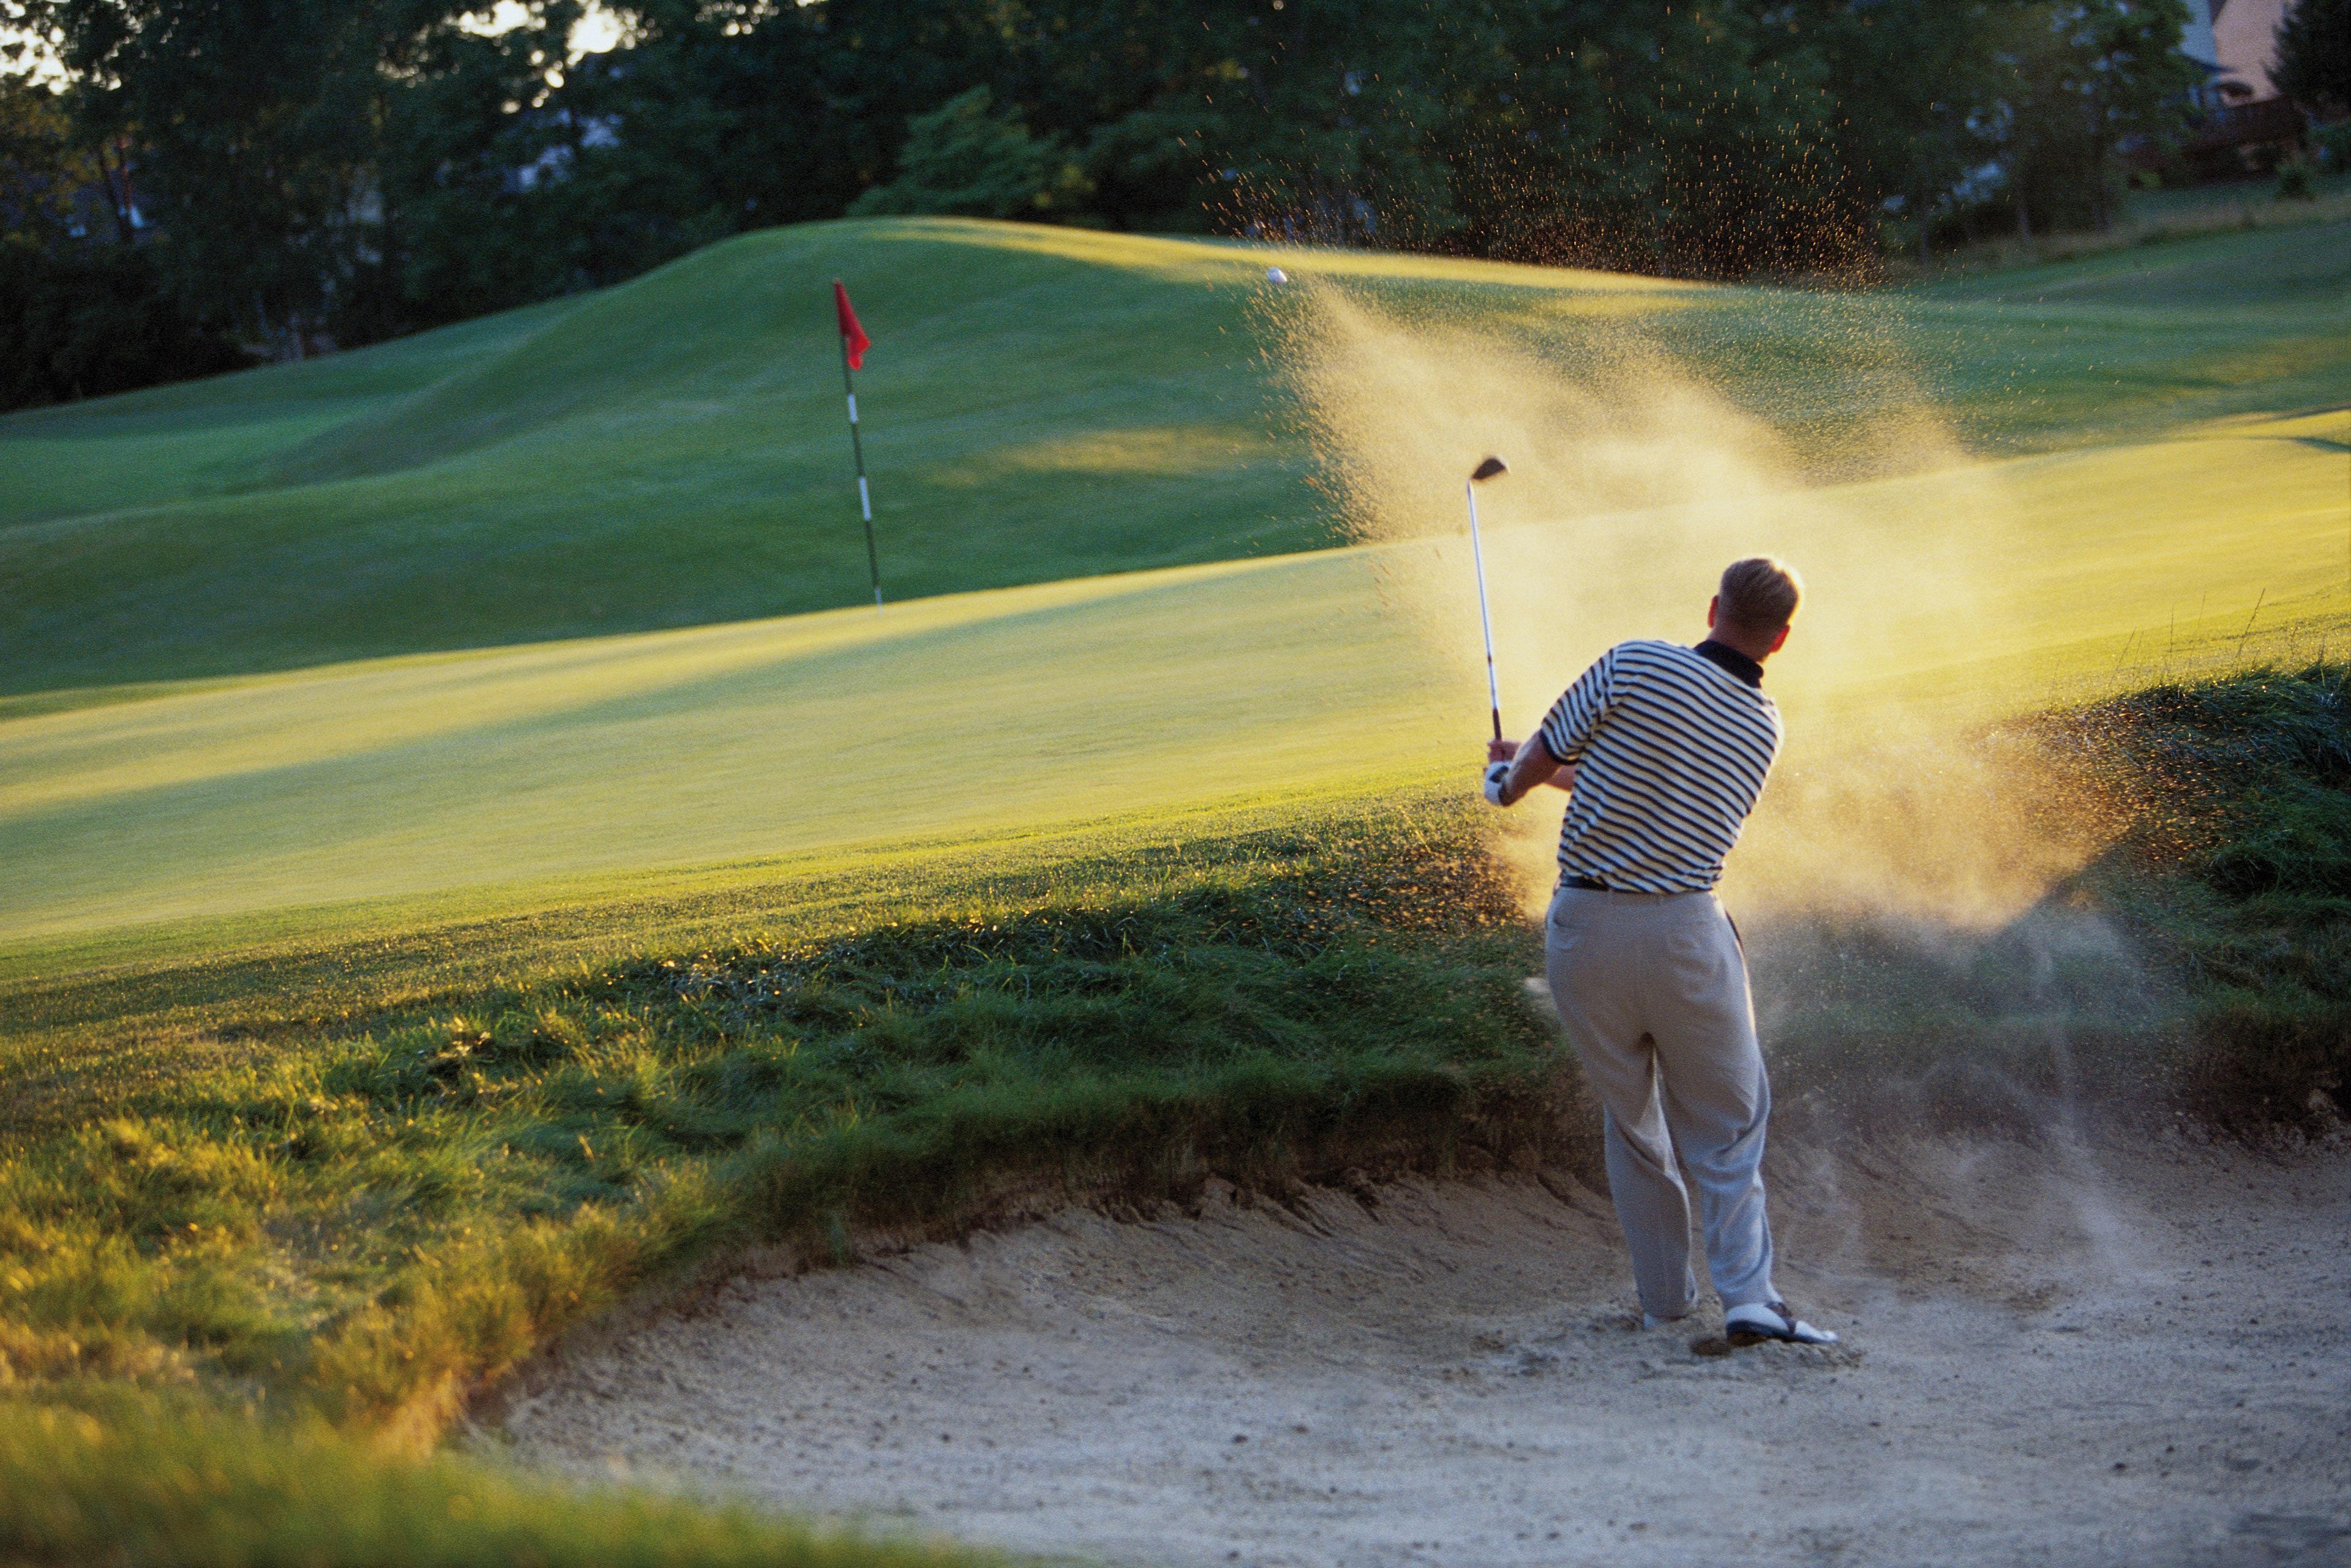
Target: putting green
(1025, 707)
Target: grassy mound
(359, 1204)
(2240, 790)
(1042, 405)
(353, 1178)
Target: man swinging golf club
(1663, 750)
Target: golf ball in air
(1275, 274)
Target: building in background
(2243, 128)
(2244, 45)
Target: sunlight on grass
(1050, 704)
(1158, 450)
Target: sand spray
(1907, 885)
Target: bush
(968, 158)
(2293, 182)
(2331, 144)
(84, 320)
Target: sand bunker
(2059, 1354)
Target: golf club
(1485, 471)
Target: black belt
(1591, 884)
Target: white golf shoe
(1758, 1320)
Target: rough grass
(349, 1184)
(364, 1212)
(2240, 794)
(246, 1205)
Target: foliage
(255, 127)
(970, 158)
(83, 310)
(2332, 145)
(84, 321)
(356, 1207)
(338, 171)
(2312, 64)
(2080, 80)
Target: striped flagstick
(854, 344)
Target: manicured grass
(1043, 405)
(1053, 704)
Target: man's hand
(1514, 766)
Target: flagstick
(865, 493)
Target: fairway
(2129, 463)
(1030, 707)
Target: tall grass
(2239, 790)
(365, 1215)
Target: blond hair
(1760, 595)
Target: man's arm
(1550, 754)
(1531, 766)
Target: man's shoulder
(1651, 648)
(1644, 654)
(1658, 659)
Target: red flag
(852, 336)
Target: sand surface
(2056, 1353)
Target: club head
(1487, 469)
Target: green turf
(1040, 404)
(1026, 707)
(364, 1023)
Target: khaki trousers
(1653, 990)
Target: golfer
(1662, 750)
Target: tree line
(215, 177)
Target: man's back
(1671, 746)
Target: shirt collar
(1731, 662)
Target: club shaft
(1485, 616)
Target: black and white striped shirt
(1671, 749)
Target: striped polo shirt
(1671, 746)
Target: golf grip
(1484, 617)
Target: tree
(2314, 57)
(966, 156)
(82, 311)
(256, 123)
(2082, 77)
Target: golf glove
(1495, 773)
